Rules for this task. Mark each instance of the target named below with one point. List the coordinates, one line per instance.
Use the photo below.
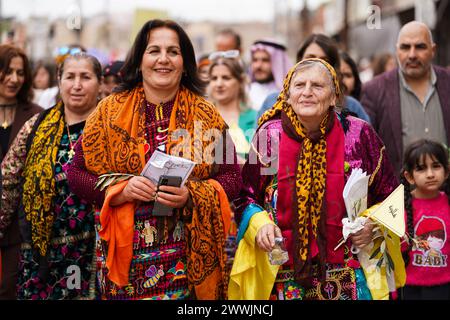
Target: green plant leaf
(380, 262)
(375, 253)
(109, 179)
(122, 178)
(100, 180)
(390, 261)
(383, 247)
(379, 236)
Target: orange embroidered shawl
(114, 141)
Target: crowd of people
(274, 144)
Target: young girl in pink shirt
(427, 197)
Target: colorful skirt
(158, 268)
(342, 283)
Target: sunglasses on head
(224, 54)
(66, 50)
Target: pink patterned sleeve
(364, 149)
(81, 181)
(260, 167)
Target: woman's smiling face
(162, 62)
(311, 93)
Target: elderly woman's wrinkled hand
(265, 238)
(363, 237)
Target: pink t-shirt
(429, 265)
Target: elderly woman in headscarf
(302, 154)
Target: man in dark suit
(413, 101)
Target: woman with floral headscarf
(302, 155)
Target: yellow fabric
(240, 141)
(252, 276)
(310, 183)
(39, 187)
(377, 279)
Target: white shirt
(259, 91)
(47, 99)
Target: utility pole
(305, 20)
(78, 30)
(108, 23)
(275, 18)
(344, 31)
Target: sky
(189, 10)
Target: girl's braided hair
(414, 155)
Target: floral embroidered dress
(68, 269)
(158, 267)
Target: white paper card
(391, 212)
(161, 164)
(355, 193)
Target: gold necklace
(71, 152)
(6, 123)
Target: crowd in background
(68, 122)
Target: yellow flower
(346, 166)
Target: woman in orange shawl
(140, 255)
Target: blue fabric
(354, 106)
(268, 103)
(248, 213)
(361, 285)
